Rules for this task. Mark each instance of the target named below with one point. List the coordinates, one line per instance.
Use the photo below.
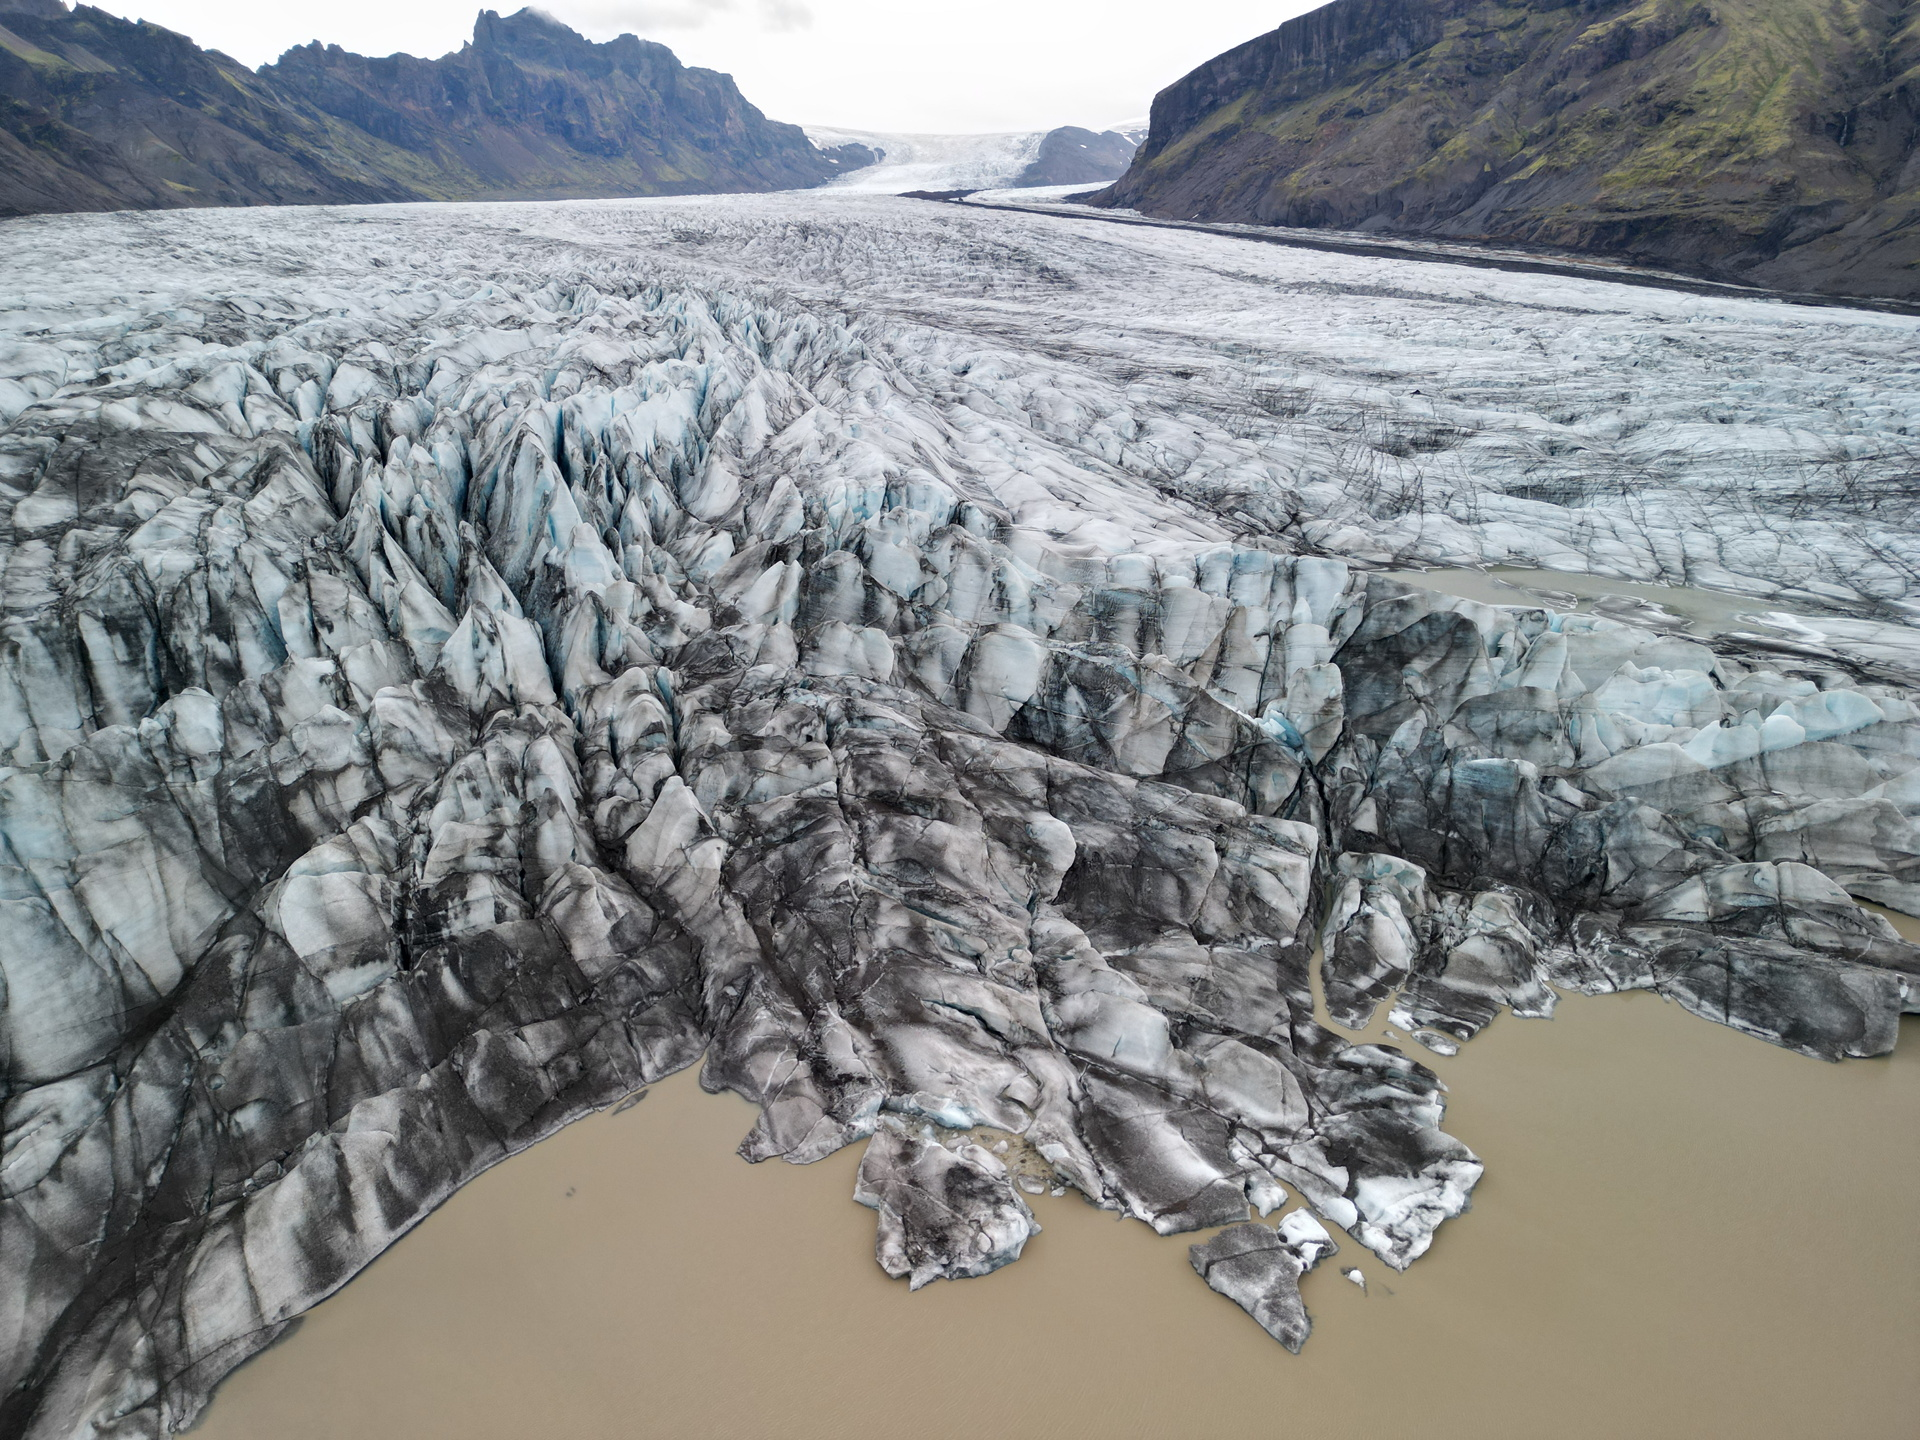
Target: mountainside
(1767, 140)
(1072, 156)
(532, 109)
(101, 113)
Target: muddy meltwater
(1683, 1232)
(1640, 602)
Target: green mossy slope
(1767, 140)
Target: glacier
(932, 162)
(950, 673)
(1063, 161)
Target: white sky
(924, 65)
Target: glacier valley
(951, 673)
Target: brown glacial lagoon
(1683, 1232)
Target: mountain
(1072, 156)
(533, 110)
(101, 113)
(1771, 141)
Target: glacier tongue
(463, 665)
(932, 162)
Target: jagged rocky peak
(537, 35)
(532, 107)
(532, 35)
(529, 108)
(1624, 127)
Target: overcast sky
(922, 65)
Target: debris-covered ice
(459, 665)
(945, 1214)
(1259, 1269)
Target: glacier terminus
(955, 675)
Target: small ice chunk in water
(1438, 1043)
(1259, 1271)
(1307, 1237)
(1352, 1272)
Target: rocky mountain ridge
(1770, 141)
(101, 113)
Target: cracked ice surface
(462, 664)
